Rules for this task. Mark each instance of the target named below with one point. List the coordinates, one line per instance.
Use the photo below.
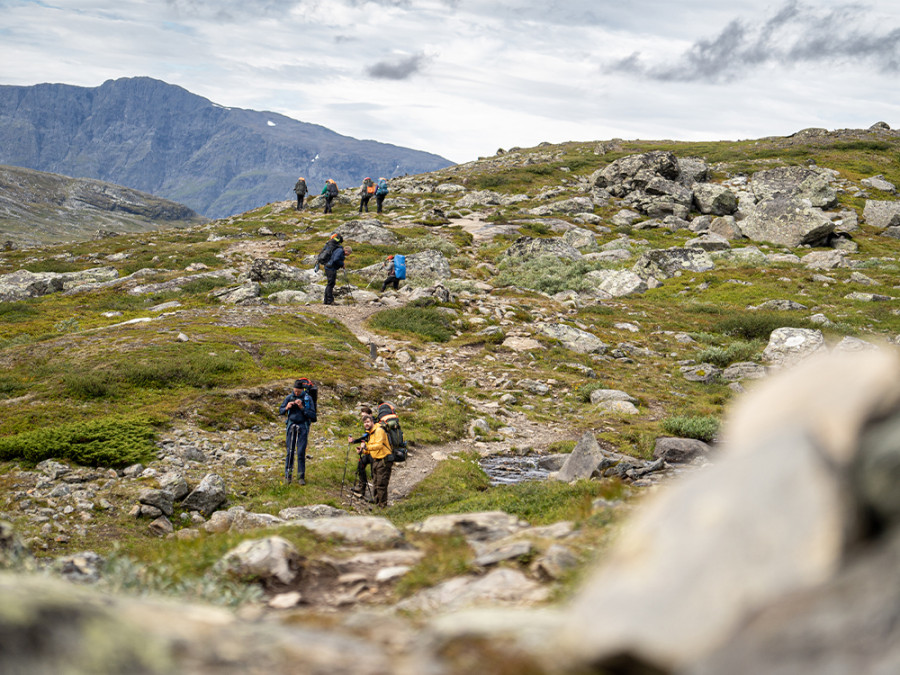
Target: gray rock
(625, 218)
(573, 206)
(666, 263)
(555, 563)
(583, 461)
(479, 198)
(600, 395)
(717, 200)
(779, 306)
(709, 242)
(824, 260)
(265, 271)
(81, 568)
(528, 247)
(617, 283)
(704, 372)
(502, 587)
(579, 238)
(314, 511)
(851, 344)
(492, 554)
(573, 338)
(787, 222)
(273, 561)
(692, 170)
(868, 297)
(369, 530)
(679, 450)
(727, 227)
(292, 298)
(634, 172)
(744, 370)
(237, 295)
(477, 527)
(876, 472)
(161, 526)
(22, 284)
(795, 183)
(881, 214)
(369, 231)
(246, 521)
(161, 499)
(175, 484)
(208, 496)
(12, 550)
(787, 346)
(617, 408)
(879, 183)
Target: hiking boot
(301, 481)
(357, 490)
(287, 480)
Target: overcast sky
(462, 78)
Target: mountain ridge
(160, 138)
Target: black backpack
(325, 254)
(310, 388)
(389, 420)
(333, 189)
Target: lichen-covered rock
(786, 221)
(666, 263)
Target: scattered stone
(208, 496)
(679, 450)
(272, 561)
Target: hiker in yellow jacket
(379, 449)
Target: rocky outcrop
(23, 284)
(666, 263)
(786, 221)
(528, 247)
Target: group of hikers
(333, 256)
(379, 447)
(368, 190)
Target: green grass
(427, 323)
(701, 427)
(755, 325)
(734, 352)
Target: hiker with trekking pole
(300, 408)
(365, 459)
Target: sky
(462, 78)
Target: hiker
(365, 194)
(300, 190)
(392, 274)
(335, 263)
(300, 409)
(325, 254)
(381, 191)
(330, 191)
(362, 481)
(379, 450)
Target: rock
(868, 297)
(555, 563)
(219, 522)
(878, 183)
(82, 568)
(824, 260)
(744, 370)
(583, 461)
(600, 395)
(666, 263)
(476, 527)
(209, 495)
(572, 338)
(679, 450)
(779, 306)
(23, 284)
(787, 346)
(285, 600)
(369, 231)
(479, 198)
(160, 499)
(579, 238)
(617, 283)
(12, 550)
(617, 408)
(709, 242)
(492, 554)
(314, 511)
(717, 200)
(53, 469)
(625, 218)
(881, 214)
(877, 471)
(161, 526)
(528, 248)
(569, 207)
(245, 521)
(265, 271)
(787, 222)
(293, 298)
(272, 561)
(634, 172)
(534, 387)
(175, 484)
(795, 183)
(521, 344)
(704, 372)
(851, 344)
(727, 227)
(237, 295)
(501, 587)
(369, 530)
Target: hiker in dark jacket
(301, 411)
(381, 191)
(330, 191)
(365, 194)
(300, 190)
(392, 274)
(334, 263)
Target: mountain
(39, 208)
(160, 138)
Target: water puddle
(511, 469)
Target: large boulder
(273, 561)
(881, 214)
(616, 283)
(475, 527)
(714, 199)
(209, 495)
(797, 183)
(430, 264)
(666, 263)
(573, 338)
(788, 346)
(23, 284)
(634, 172)
(368, 530)
(266, 271)
(528, 247)
(786, 221)
(369, 231)
(583, 461)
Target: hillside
(588, 313)
(38, 208)
(161, 139)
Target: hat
(301, 383)
(390, 257)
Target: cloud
(796, 34)
(401, 68)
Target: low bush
(546, 273)
(113, 441)
(701, 427)
(725, 356)
(425, 322)
(759, 325)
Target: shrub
(200, 370)
(425, 322)
(701, 427)
(88, 385)
(759, 325)
(112, 441)
(11, 312)
(725, 356)
(432, 242)
(546, 273)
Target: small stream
(510, 469)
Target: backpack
(400, 266)
(390, 422)
(370, 188)
(333, 189)
(312, 414)
(382, 187)
(325, 254)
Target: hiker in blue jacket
(335, 262)
(381, 191)
(392, 274)
(301, 412)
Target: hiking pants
(379, 200)
(361, 477)
(364, 203)
(328, 200)
(381, 476)
(295, 443)
(391, 280)
(300, 202)
(331, 280)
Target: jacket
(378, 446)
(300, 188)
(298, 414)
(336, 261)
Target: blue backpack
(400, 266)
(382, 188)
